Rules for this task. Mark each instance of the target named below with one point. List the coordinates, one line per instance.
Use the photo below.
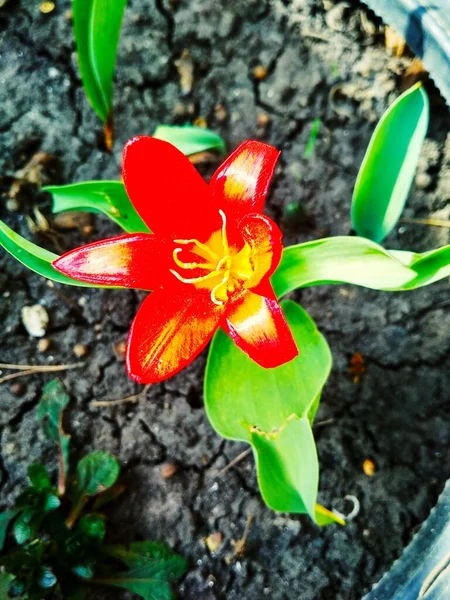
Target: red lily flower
(208, 260)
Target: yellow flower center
(227, 267)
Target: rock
(35, 320)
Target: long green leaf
(97, 26)
(360, 262)
(190, 139)
(34, 257)
(108, 197)
(388, 168)
(269, 408)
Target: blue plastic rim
(425, 25)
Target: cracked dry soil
(398, 415)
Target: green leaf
(327, 517)
(152, 568)
(269, 408)
(96, 472)
(312, 138)
(51, 502)
(35, 258)
(388, 168)
(93, 526)
(190, 139)
(22, 528)
(108, 197)
(39, 477)
(5, 520)
(50, 412)
(47, 578)
(287, 466)
(97, 26)
(360, 262)
(5, 581)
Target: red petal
(166, 190)
(138, 260)
(264, 238)
(169, 331)
(257, 326)
(240, 184)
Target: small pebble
(214, 541)
(35, 320)
(17, 389)
(368, 467)
(119, 349)
(168, 470)
(263, 119)
(423, 180)
(220, 112)
(80, 350)
(200, 122)
(13, 205)
(47, 7)
(260, 72)
(44, 344)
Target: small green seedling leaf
(50, 412)
(35, 258)
(96, 472)
(388, 168)
(5, 519)
(93, 526)
(5, 582)
(107, 197)
(97, 26)
(22, 528)
(360, 262)
(39, 477)
(152, 569)
(47, 578)
(312, 138)
(275, 417)
(190, 139)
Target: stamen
(224, 232)
(190, 265)
(210, 275)
(215, 289)
(203, 247)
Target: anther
(190, 265)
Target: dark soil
(397, 416)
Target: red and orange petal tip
(257, 326)
(241, 183)
(138, 260)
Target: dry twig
(32, 369)
(133, 398)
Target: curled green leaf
(107, 197)
(34, 257)
(360, 262)
(190, 139)
(388, 168)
